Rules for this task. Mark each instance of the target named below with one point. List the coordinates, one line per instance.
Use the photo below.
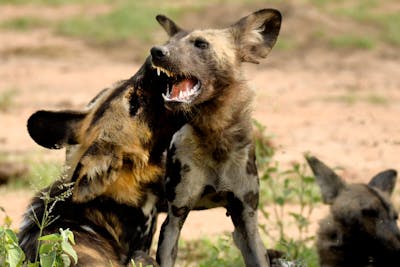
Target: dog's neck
(224, 124)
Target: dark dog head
(363, 212)
(200, 64)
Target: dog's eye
(201, 43)
(370, 213)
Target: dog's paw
(95, 171)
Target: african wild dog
(211, 160)
(116, 166)
(361, 229)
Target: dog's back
(361, 229)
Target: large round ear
(256, 34)
(328, 181)
(55, 129)
(169, 26)
(384, 181)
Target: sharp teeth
(180, 94)
(166, 97)
(158, 71)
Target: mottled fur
(114, 161)
(361, 229)
(211, 160)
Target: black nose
(159, 52)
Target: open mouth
(180, 88)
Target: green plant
(10, 252)
(49, 204)
(281, 189)
(54, 250)
(289, 187)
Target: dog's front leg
(169, 235)
(246, 236)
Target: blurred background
(330, 87)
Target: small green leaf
(15, 256)
(12, 236)
(48, 260)
(46, 248)
(67, 235)
(51, 237)
(66, 261)
(67, 248)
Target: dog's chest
(191, 169)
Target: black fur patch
(179, 212)
(76, 173)
(208, 189)
(219, 154)
(235, 210)
(54, 129)
(134, 104)
(251, 167)
(174, 168)
(217, 198)
(251, 198)
(84, 181)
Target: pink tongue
(183, 86)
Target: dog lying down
(361, 229)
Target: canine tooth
(180, 94)
(166, 97)
(158, 71)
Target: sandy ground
(342, 106)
